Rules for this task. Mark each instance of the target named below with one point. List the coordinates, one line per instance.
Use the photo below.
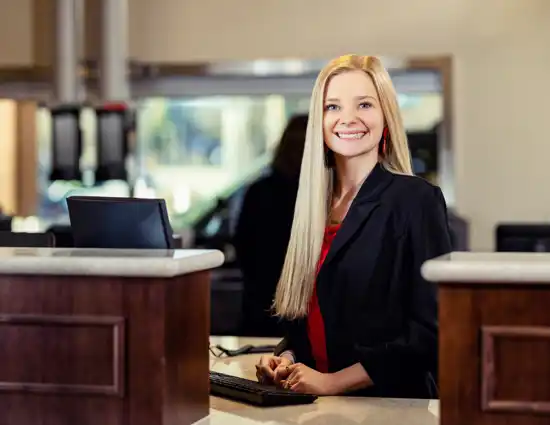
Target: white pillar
(68, 34)
(274, 120)
(114, 84)
(235, 138)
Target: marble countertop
(325, 410)
(497, 267)
(107, 262)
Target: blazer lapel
(362, 207)
(353, 221)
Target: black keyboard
(253, 392)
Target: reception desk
(113, 337)
(325, 411)
(494, 337)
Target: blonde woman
(359, 317)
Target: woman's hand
(267, 366)
(303, 379)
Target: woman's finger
(259, 375)
(273, 363)
(292, 378)
(265, 371)
(265, 361)
(282, 372)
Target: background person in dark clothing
(263, 230)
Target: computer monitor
(518, 237)
(122, 223)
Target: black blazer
(376, 307)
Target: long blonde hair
(297, 280)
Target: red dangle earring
(384, 140)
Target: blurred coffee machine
(66, 143)
(115, 132)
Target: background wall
(176, 30)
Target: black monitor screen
(523, 238)
(121, 223)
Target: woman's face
(353, 121)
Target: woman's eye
(331, 107)
(365, 105)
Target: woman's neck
(351, 173)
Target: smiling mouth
(351, 136)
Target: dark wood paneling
(507, 352)
(67, 296)
(144, 302)
(187, 355)
(91, 349)
(163, 348)
(519, 360)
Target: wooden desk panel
(94, 346)
(494, 354)
(99, 350)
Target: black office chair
(63, 235)
(27, 240)
(5, 223)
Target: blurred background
(206, 88)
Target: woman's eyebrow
(362, 97)
(366, 96)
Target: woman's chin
(354, 153)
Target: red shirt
(315, 325)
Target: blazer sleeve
(288, 343)
(282, 346)
(427, 236)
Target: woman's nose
(348, 119)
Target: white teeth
(350, 136)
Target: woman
(263, 230)
(359, 318)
